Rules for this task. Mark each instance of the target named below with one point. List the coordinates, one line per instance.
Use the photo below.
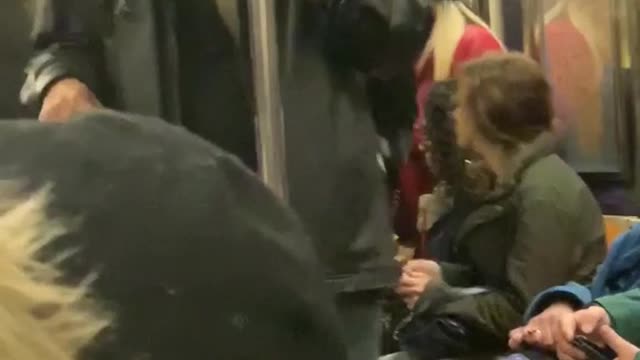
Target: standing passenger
(14, 50)
(179, 60)
(335, 183)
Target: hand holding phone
(593, 351)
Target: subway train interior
(319, 179)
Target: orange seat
(617, 225)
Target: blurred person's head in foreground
(193, 257)
(41, 317)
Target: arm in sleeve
(456, 274)
(624, 311)
(67, 43)
(532, 267)
(572, 293)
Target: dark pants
(361, 317)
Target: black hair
(463, 179)
(364, 37)
(446, 156)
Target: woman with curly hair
(456, 36)
(457, 174)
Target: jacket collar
(523, 157)
(495, 203)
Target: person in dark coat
(534, 226)
(184, 61)
(192, 254)
(15, 50)
(335, 183)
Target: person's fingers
(61, 112)
(532, 335)
(416, 280)
(515, 338)
(517, 332)
(65, 99)
(587, 321)
(414, 275)
(547, 335)
(541, 337)
(408, 290)
(567, 325)
(421, 266)
(591, 319)
(415, 266)
(50, 112)
(404, 291)
(407, 280)
(566, 351)
(616, 342)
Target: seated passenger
(192, 255)
(456, 180)
(536, 226)
(455, 36)
(557, 315)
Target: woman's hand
(624, 349)
(542, 330)
(416, 275)
(427, 267)
(556, 328)
(586, 322)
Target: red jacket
(415, 178)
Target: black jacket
(335, 183)
(15, 50)
(172, 59)
(194, 256)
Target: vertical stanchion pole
(269, 116)
(496, 18)
(533, 30)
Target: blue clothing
(619, 272)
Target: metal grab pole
(269, 116)
(496, 18)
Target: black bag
(445, 337)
